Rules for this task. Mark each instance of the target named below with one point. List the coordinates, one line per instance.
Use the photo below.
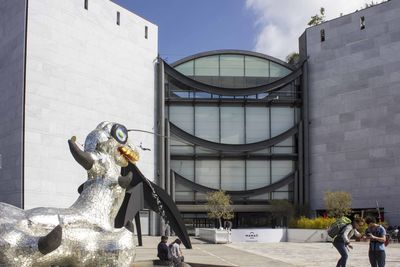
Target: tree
(337, 203)
(318, 18)
(219, 205)
(282, 210)
(293, 58)
(367, 5)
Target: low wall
(262, 235)
(307, 235)
(258, 235)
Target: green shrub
(317, 223)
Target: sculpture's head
(106, 150)
(112, 139)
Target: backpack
(338, 226)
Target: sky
(272, 27)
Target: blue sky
(187, 27)
(272, 27)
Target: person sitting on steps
(176, 253)
(163, 253)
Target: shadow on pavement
(205, 265)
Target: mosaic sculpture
(83, 234)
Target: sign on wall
(258, 235)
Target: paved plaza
(267, 254)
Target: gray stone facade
(12, 50)
(81, 68)
(354, 95)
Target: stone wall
(83, 68)
(12, 47)
(354, 95)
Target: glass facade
(233, 70)
(233, 123)
(232, 120)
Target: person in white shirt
(176, 252)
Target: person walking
(176, 252)
(377, 236)
(342, 241)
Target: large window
(257, 124)
(232, 120)
(182, 116)
(256, 67)
(279, 169)
(258, 173)
(278, 71)
(186, 68)
(207, 122)
(233, 70)
(232, 125)
(207, 173)
(232, 65)
(181, 147)
(282, 119)
(186, 169)
(232, 175)
(207, 66)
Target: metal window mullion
(220, 173)
(220, 138)
(244, 71)
(219, 121)
(219, 71)
(194, 178)
(194, 68)
(270, 176)
(245, 123)
(194, 128)
(194, 150)
(245, 174)
(271, 148)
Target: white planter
(215, 236)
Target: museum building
(232, 118)
(240, 121)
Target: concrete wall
(12, 46)
(354, 88)
(83, 68)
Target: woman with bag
(342, 241)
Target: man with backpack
(341, 231)
(377, 235)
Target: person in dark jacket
(342, 241)
(162, 249)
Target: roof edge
(232, 51)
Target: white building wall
(83, 68)
(12, 46)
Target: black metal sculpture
(141, 195)
(144, 194)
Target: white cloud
(279, 24)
